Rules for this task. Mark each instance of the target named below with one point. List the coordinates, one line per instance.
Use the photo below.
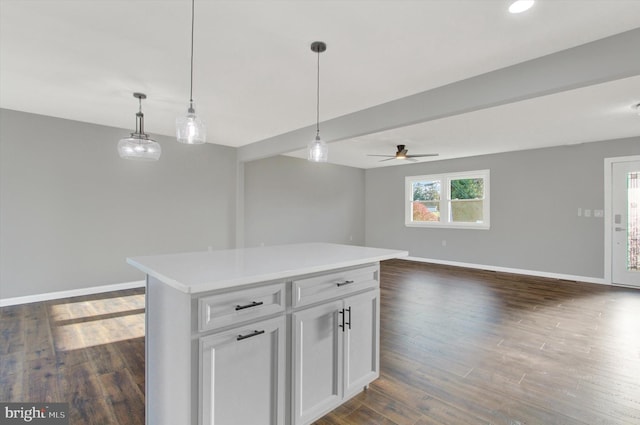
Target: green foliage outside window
(467, 189)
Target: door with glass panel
(625, 223)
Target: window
(457, 200)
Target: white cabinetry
(317, 361)
(336, 347)
(362, 342)
(243, 375)
(260, 336)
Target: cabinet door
(317, 362)
(243, 375)
(361, 346)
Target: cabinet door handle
(253, 304)
(346, 282)
(349, 322)
(254, 333)
(341, 312)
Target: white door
(243, 375)
(317, 363)
(625, 223)
(361, 363)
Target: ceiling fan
(402, 154)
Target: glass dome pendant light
(139, 146)
(318, 150)
(190, 129)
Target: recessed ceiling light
(520, 6)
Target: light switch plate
(598, 213)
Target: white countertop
(195, 272)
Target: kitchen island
(268, 335)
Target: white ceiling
(255, 75)
(598, 112)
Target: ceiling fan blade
(422, 155)
(386, 156)
(388, 159)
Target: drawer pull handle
(254, 333)
(253, 304)
(346, 282)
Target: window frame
(445, 201)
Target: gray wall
(71, 210)
(535, 196)
(289, 200)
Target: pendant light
(318, 150)
(190, 129)
(139, 146)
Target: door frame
(608, 212)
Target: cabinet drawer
(218, 311)
(315, 289)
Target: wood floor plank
(88, 411)
(81, 381)
(132, 353)
(124, 396)
(431, 409)
(365, 415)
(12, 387)
(105, 358)
(43, 384)
(391, 408)
(12, 333)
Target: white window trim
(444, 201)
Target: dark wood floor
(88, 351)
(457, 347)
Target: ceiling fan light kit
(139, 146)
(402, 153)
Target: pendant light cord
(139, 118)
(318, 98)
(192, 25)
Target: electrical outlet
(598, 213)
(444, 242)
(587, 213)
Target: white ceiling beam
(608, 59)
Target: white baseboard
(536, 273)
(70, 293)
(141, 283)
